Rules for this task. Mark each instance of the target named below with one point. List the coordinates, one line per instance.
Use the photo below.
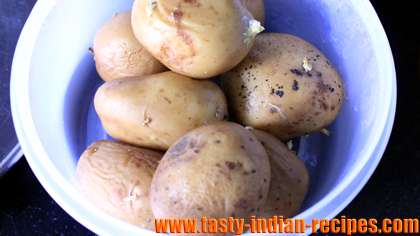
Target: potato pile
(188, 147)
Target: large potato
(197, 38)
(257, 9)
(154, 111)
(286, 86)
(118, 54)
(289, 178)
(218, 170)
(116, 178)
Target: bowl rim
(61, 190)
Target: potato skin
(271, 91)
(197, 38)
(289, 178)
(116, 178)
(154, 111)
(218, 170)
(118, 54)
(257, 9)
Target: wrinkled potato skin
(271, 91)
(196, 38)
(289, 178)
(108, 172)
(218, 170)
(257, 9)
(118, 54)
(154, 111)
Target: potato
(218, 170)
(196, 38)
(118, 54)
(289, 178)
(116, 178)
(257, 9)
(154, 111)
(285, 86)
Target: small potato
(285, 86)
(196, 38)
(218, 170)
(154, 111)
(116, 178)
(257, 9)
(118, 54)
(289, 178)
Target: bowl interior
(63, 82)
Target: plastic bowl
(54, 80)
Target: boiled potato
(289, 178)
(116, 178)
(257, 9)
(196, 38)
(154, 111)
(118, 54)
(218, 170)
(285, 86)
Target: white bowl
(54, 80)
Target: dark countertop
(393, 191)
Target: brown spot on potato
(279, 93)
(92, 150)
(296, 72)
(295, 85)
(232, 165)
(167, 100)
(137, 164)
(177, 14)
